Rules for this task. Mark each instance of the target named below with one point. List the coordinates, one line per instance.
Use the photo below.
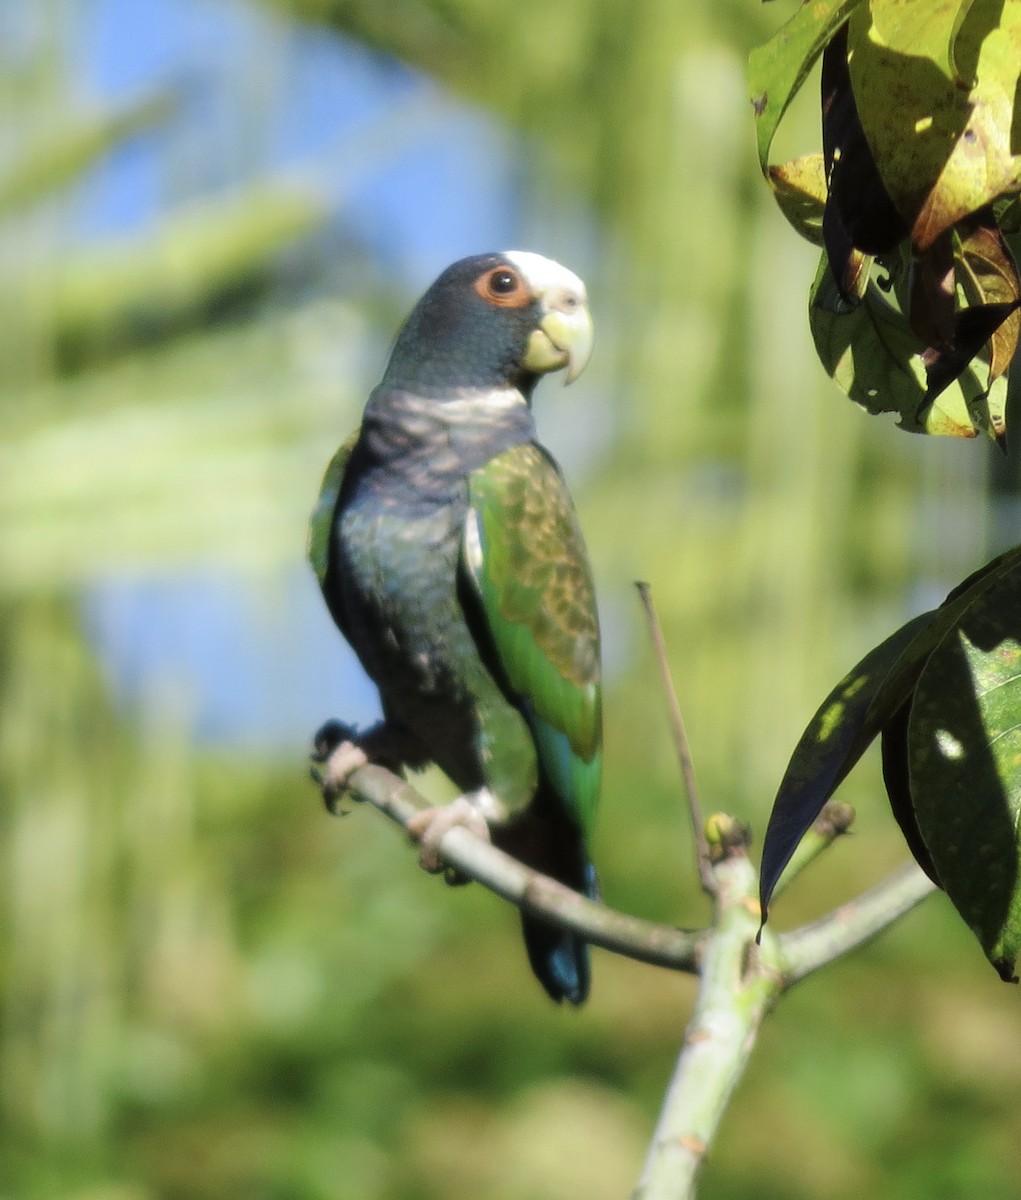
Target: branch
(833, 822)
(799, 952)
(739, 981)
(647, 941)
(738, 986)
(805, 950)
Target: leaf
(989, 276)
(964, 750)
(777, 69)
(897, 778)
(1007, 214)
(54, 156)
(973, 328)
(901, 680)
(962, 67)
(939, 130)
(799, 187)
(867, 700)
(933, 305)
(873, 355)
(859, 212)
(929, 31)
(983, 277)
(834, 740)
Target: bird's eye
(504, 287)
(502, 282)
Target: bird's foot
(336, 755)
(338, 750)
(327, 738)
(429, 826)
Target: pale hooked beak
(564, 336)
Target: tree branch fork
(743, 969)
(788, 957)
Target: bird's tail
(554, 845)
(560, 960)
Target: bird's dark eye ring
(503, 282)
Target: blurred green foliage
(210, 989)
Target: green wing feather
(525, 553)
(321, 521)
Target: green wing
(321, 521)
(525, 554)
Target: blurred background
(213, 214)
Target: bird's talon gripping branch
(328, 737)
(335, 757)
(429, 826)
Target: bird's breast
(397, 578)
(399, 566)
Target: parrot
(450, 557)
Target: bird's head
(494, 321)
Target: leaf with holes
(879, 362)
(964, 755)
(870, 699)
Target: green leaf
(777, 69)
(115, 292)
(925, 31)
(869, 699)
(873, 355)
(897, 777)
(1007, 214)
(964, 747)
(934, 87)
(835, 739)
(900, 682)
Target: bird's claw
(335, 756)
(429, 826)
(328, 737)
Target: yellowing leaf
(874, 357)
(800, 190)
(989, 275)
(942, 143)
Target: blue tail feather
(560, 960)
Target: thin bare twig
(681, 744)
